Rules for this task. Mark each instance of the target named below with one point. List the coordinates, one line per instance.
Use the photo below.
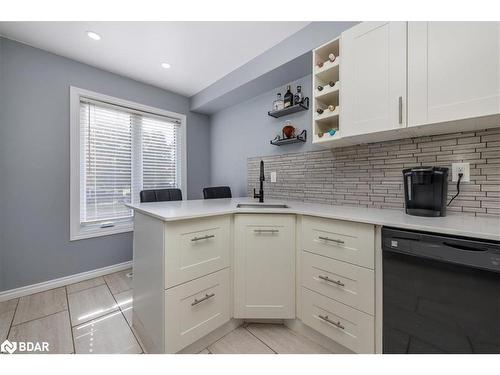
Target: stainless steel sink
(261, 205)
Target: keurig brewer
(426, 191)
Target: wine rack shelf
(325, 126)
(329, 71)
(327, 116)
(328, 94)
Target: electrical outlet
(273, 176)
(463, 168)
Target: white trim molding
(62, 281)
(77, 231)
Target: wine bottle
(298, 97)
(332, 83)
(320, 88)
(331, 107)
(288, 98)
(320, 111)
(331, 57)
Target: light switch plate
(273, 176)
(457, 168)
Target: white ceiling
(200, 53)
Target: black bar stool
(160, 195)
(216, 192)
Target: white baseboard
(63, 281)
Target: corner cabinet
(453, 71)
(264, 266)
(373, 74)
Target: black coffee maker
(426, 191)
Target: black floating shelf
(302, 106)
(280, 141)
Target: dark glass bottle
(298, 97)
(320, 88)
(320, 111)
(288, 98)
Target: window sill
(84, 233)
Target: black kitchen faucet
(261, 179)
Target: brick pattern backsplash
(370, 175)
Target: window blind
(123, 152)
(159, 154)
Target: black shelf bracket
(281, 141)
(302, 106)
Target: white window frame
(77, 231)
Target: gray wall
(34, 163)
(244, 130)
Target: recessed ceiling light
(93, 35)
(165, 65)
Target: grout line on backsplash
(370, 175)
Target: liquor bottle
(278, 103)
(288, 97)
(298, 97)
(320, 111)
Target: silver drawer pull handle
(336, 324)
(197, 301)
(266, 230)
(331, 240)
(326, 278)
(203, 238)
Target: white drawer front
(349, 327)
(195, 248)
(344, 282)
(196, 308)
(342, 240)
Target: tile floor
(95, 316)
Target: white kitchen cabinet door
(373, 78)
(264, 266)
(453, 71)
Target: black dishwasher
(441, 294)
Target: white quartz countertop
(454, 223)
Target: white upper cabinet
(373, 76)
(453, 71)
